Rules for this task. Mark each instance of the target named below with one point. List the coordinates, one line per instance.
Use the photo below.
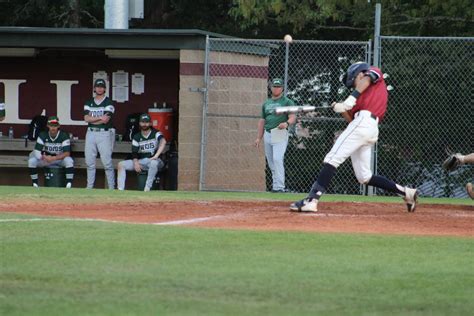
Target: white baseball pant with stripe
(356, 142)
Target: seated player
(147, 146)
(2, 110)
(53, 148)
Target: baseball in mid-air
(288, 38)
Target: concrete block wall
(237, 90)
(190, 118)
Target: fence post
(378, 16)
(287, 53)
(369, 52)
(202, 167)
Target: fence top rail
(281, 40)
(427, 38)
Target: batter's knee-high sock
(34, 175)
(386, 184)
(69, 174)
(322, 182)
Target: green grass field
(94, 196)
(92, 268)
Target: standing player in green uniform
(2, 110)
(53, 148)
(274, 129)
(147, 146)
(100, 136)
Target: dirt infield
(346, 217)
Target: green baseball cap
(145, 117)
(53, 121)
(277, 82)
(100, 83)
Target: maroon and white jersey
(374, 99)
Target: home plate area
(340, 217)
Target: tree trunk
(75, 14)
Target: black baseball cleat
(411, 199)
(281, 191)
(306, 205)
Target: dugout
(54, 69)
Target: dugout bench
(14, 155)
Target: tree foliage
(49, 13)
(189, 14)
(355, 19)
(304, 19)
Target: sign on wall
(120, 86)
(138, 83)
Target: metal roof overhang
(32, 37)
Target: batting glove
(347, 105)
(339, 107)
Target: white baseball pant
(100, 142)
(275, 154)
(34, 162)
(153, 166)
(356, 142)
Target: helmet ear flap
(344, 79)
(349, 80)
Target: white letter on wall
(12, 108)
(63, 102)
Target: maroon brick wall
(161, 84)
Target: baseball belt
(97, 129)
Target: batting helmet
(353, 71)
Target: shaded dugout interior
(34, 60)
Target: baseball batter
(53, 148)
(364, 109)
(2, 110)
(273, 129)
(98, 113)
(147, 146)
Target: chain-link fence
(430, 111)
(238, 72)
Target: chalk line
(175, 222)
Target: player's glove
(452, 162)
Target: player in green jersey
(100, 136)
(53, 148)
(273, 129)
(147, 146)
(2, 110)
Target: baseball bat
(297, 109)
